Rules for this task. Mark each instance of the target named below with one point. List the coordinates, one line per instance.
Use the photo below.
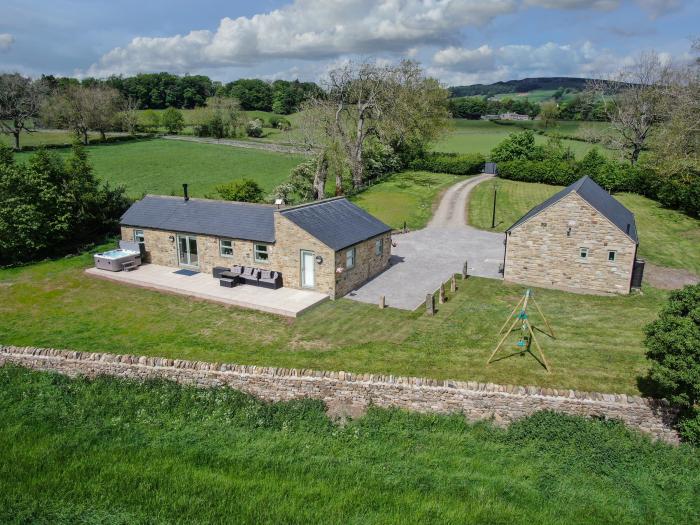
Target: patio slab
(283, 301)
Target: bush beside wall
(452, 163)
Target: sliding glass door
(187, 250)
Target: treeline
(474, 108)
(165, 90)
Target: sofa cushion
(237, 268)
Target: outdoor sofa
(249, 275)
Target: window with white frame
(139, 236)
(260, 253)
(226, 247)
(350, 258)
(378, 246)
(583, 253)
(611, 255)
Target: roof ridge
(202, 199)
(313, 203)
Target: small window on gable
(226, 247)
(378, 246)
(139, 236)
(350, 258)
(611, 255)
(261, 254)
(583, 253)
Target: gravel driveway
(424, 259)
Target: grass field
(115, 451)
(481, 136)
(42, 137)
(598, 347)
(536, 95)
(405, 197)
(666, 237)
(162, 166)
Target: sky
(457, 41)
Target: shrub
(673, 346)
(453, 163)
(172, 120)
(379, 161)
(279, 123)
(518, 146)
(50, 207)
(242, 190)
(254, 128)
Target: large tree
(83, 109)
(395, 104)
(20, 101)
(633, 103)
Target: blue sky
(458, 41)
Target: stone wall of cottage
(161, 250)
(367, 264)
(477, 401)
(539, 252)
(290, 240)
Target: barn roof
(236, 220)
(337, 222)
(597, 197)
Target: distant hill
(525, 85)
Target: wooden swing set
(527, 337)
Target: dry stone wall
(502, 403)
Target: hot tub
(114, 260)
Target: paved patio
(283, 301)
(424, 259)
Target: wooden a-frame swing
(519, 314)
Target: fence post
(382, 302)
(453, 284)
(441, 296)
(430, 304)
(465, 270)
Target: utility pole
(493, 215)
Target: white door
(307, 269)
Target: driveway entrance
(424, 259)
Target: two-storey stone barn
(580, 239)
(331, 246)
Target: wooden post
(430, 304)
(465, 270)
(382, 302)
(453, 284)
(442, 294)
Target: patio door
(307, 269)
(187, 250)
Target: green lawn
(666, 237)
(405, 197)
(162, 166)
(481, 136)
(42, 137)
(599, 343)
(115, 451)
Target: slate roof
(337, 223)
(597, 197)
(236, 220)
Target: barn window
(350, 258)
(226, 247)
(611, 256)
(583, 253)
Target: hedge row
(454, 163)
(93, 142)
(680, 191)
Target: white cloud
(306, 29)
(484, 64)
(605, 5)
(6, 41)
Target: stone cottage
(330, 246)
(580, 239)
